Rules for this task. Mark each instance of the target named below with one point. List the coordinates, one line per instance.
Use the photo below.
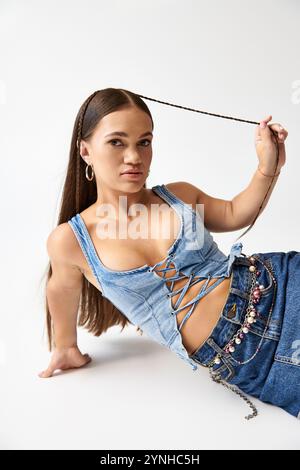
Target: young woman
(237, 315)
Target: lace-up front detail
(192, 279)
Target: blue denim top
(142, 295)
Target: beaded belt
(239, 336)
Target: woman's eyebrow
(126, 135)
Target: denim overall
(143, 296)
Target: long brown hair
(96, 313)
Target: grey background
(238, 58)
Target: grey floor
(134, 394)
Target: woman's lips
(132, 175)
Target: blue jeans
(255, 346)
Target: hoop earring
(86, 172)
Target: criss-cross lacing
(190, 282)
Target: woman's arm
(222, 215)
(244, 206)
(63, 292)
(63, 288)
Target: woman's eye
(117, 140)
(114, 140)
(147, 140)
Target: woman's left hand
(266, 147)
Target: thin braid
(198, 111)
(235, 119)
(80, 121)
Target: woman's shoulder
(184, 191)
(62, 243)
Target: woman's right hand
(65, 358)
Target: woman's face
(111, 155)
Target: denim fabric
(142, 294)
(272, 374)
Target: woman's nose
(133, 157)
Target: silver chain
(238, 392)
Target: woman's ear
(84, 153)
